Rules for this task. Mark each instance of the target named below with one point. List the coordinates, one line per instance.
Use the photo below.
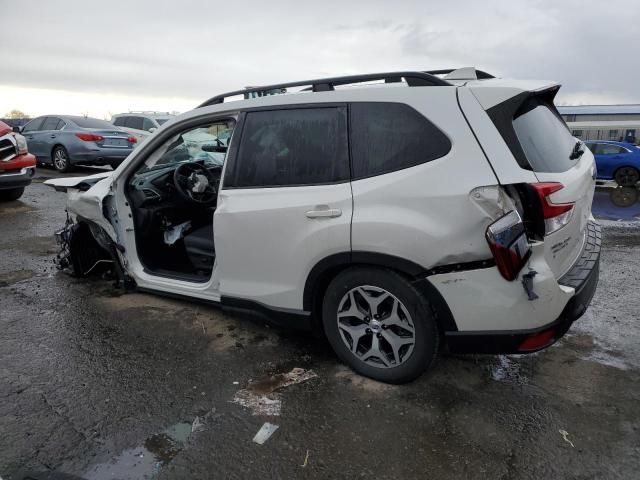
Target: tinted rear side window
(392, 136)
(544, 138)
(292, 147)
(50, 123)
(133, 122)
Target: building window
(613, 134)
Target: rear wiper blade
(578, 150)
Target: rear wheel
(627, 176)
(380, 325)
(11, 194)
(61, 161)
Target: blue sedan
(64, 140)
(619, 161)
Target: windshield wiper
(578, 150)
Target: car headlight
(21, 144)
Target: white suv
(398, 219)
(141, 124)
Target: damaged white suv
(397, 213)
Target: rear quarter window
(392, 136)
(544, 138)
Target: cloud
(193, 50)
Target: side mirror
(17, 129)
(152, 129)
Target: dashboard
(156, 188)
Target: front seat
(199, 246)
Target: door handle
(29, 138)
(52, 136)
(323, 211)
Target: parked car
(140, 124)
(17, 165)
(619, 161)
(66, 140)
(450, 213)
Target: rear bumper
(583, 277)
(103, 156)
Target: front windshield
(206, 144)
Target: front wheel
(380, 325)
(627, 176)
(61, 160)
(11, 194)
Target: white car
(141, 124)
(398, 220)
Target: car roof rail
(462, 73)
(413, 79)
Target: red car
(17, 165)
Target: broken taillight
(507, 240)
(556, 215)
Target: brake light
(556, 215)
(507, 240)
(132, 140)
(89, 137)
(536, 341)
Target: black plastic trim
(283, 317)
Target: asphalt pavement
(99, 384)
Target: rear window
(544, 138)
(391, 136)
(91, 123)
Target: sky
(101, 58)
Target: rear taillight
(132, 139)
(89, 137)
(556, 215)
(508, 243)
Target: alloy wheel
(60, 159)
(376, 326)
(627, 176)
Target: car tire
(11, 194)
(60, 159)
(393, 346)
(627, 176)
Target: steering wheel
(195, 183)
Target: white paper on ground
(264, 433)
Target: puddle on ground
(145, 461)
(616, 203)
(10, 278)
(5, 210)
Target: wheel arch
(326, 270)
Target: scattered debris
(265, 432)
(199, 423)
(564, 434)
(306, 460)
(261, 396)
